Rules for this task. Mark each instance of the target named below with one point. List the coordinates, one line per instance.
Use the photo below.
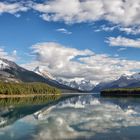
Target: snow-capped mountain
(3, 65)
(123, 81)
(83, 85)
(11, 72)
(6, 73)
(43, 72)
(136, 76)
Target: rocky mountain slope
(123, 81)
(82, 85)
(10, 71)
(41, 71)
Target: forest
(121, 92)
(27, 88)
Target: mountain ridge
(11, 72)
(123, 81)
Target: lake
(74, 117)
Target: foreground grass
(23, 89)
(121, 92)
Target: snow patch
(3, 65)
(43, 72)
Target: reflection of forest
(12, 109)
(27, 101)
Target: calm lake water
(77, 117)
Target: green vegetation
(13, 109)
(26, 89)
(16, 102)
(121, 92)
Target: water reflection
(79, 117)
(12, 109)
(88, 117)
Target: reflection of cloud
(58, 129)
(18, 130)
(68, 121)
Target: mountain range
(125, 81)
(82, 85)
(87, 86)
(11, 72)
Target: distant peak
(136, 75)
(43, 72)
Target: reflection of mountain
(99, 118)
(97, 115)
(12, 109)
(84, 101)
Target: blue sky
(26, 26)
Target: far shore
(121, 92)
(24, 95)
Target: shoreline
(24, 95)
(121, 93)
(35, 95)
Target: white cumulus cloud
(123, 12)
(70, 63)
(10, 56)
(57, 55)
(64, 31)
(123, 42)
(134, 30)
(12, 8)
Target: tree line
(27, 88)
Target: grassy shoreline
(24, 95)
